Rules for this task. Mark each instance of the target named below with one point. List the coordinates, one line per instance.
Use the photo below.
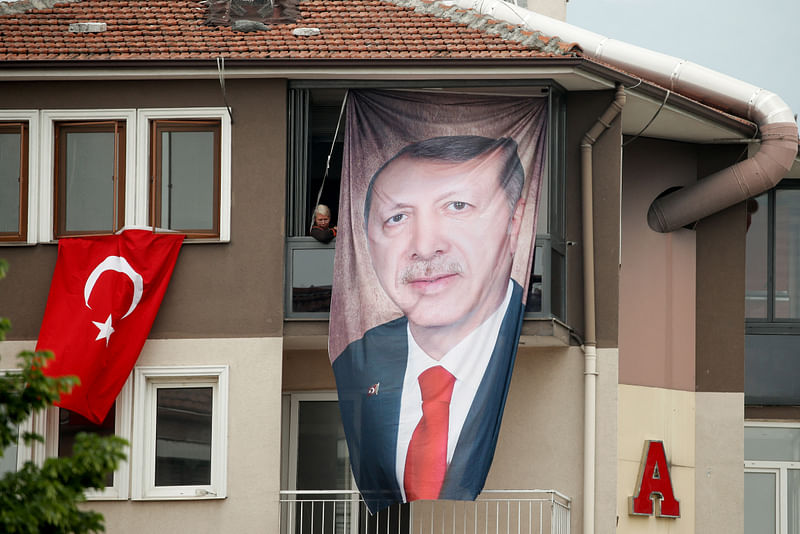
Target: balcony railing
(309, 278)
(494, 512)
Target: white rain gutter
(589, 320)
(722, 189)
(713, 193)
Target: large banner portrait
(436, 227)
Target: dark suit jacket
(371, 420)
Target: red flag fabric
(105, 294)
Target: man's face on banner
(441, 237)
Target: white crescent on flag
(120, 265)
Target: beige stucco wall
(541, 438)
(719, 478)
(648, 413)
(253, 463)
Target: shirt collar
(468, 360)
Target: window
(106, 169)
(773, 257)
(63, 425)
(184, 168)
(314, 113)
(19, 155)
(13, 181)
(89, 177)
(17, 452)
(772, 296)
(772, 478)
(318, 486)
(180, 428)
(185, 176)
(88, 172)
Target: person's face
(322, 220)
(441, 237)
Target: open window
(314, 145)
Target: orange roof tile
(178, 29)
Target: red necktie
(426, 462)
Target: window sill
(312, 334)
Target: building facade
(231, 408)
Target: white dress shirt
(467, 362)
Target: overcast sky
(757, 41)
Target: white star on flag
(105, 330)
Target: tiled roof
(178, 29)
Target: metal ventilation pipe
(715, 192)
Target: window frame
(25, 452)
(23, 129)
(119, 128)
(122, 428)
(780, 469)
(47, 198)
(147, 380)
(144, 162)
(155, 177)
(31, 118)
(550, 240)
(769, 324)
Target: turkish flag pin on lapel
(373, 390)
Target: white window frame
(144, 116)
(781, 471)
(147, 381)
(32, 118)
(122, 429)
(41, 166)
(47, 174)
(24, 451)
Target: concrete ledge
(312, 334)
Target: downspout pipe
(590, 338)
(722, 189)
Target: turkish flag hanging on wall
(105, 294)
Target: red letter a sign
(654, 484)
(105, 294)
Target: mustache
(430, 268)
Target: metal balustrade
(494, 512)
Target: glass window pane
(759, 503)
(10, 171)
(8, 461)
(88, 176)
(534, 302)
(558, 285)
(187, 180)
(793, 499)
(756, 262)
(71, 423)
(787, 254)
(771, 368)
(779, 444)
(183, 436)
(322, 461)
(312, 279)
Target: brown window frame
(159, 126)
(22, 128)
(59, 197)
